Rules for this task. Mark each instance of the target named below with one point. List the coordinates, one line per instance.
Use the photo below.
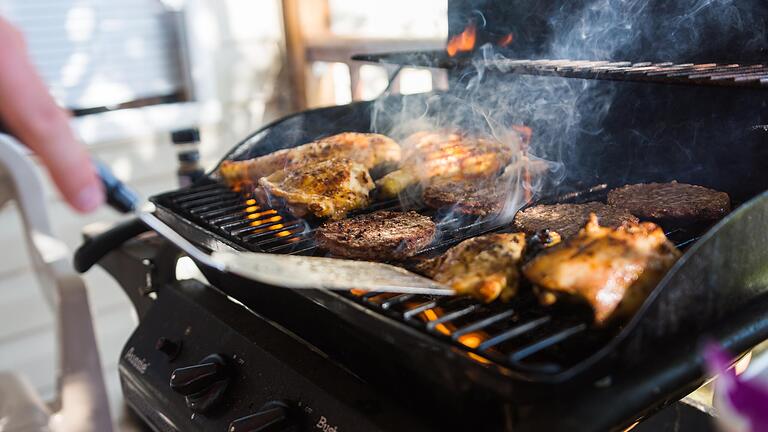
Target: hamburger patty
(381, 235)
(568, 219)
(671, 202)
(467, 197)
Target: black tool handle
(121, 198)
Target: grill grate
(520, 334)
(708, 74)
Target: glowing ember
(431, 315)
(463, 42)
(472, 340)
(264, 221)
(260, 214)
(477, 358)
(505, 40)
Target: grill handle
(95, 248)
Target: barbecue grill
(254, 355)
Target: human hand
(30, 113)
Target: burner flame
(504, 41)
(463, 42)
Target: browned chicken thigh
(611, 269)
(367, 149)
(485, 267)
(329, 188)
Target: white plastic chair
(81, 399)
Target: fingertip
(88, 198)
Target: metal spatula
(289, 271)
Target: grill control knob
(203, 384)
(270, 417)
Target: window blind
(101, 53)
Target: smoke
(652, 30)
(487, 100)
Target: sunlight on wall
(374, 79)
(80, 23)
(391, 18)
(415, 81)
(342, 93)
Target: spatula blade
(301, 272)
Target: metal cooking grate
(254, 226)
(712, 74)
(520, 334)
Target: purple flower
(743, 404)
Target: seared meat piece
(485, 267)
(567, 219)
(428, 156)
(612, 269)
(479, 198)
(367, 149)
(675, 203)
(326, 189)
(378, 236)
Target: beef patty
(672, 202)
(478, 198)
(380, 236)
(568, 219)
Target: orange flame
(505, 40)
(473, 340)
(432, 315)
(465, 41)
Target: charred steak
(567, 219)
(467, 197)
(672, 202)
(379, 236)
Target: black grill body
(716, 279)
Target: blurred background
(131, 71)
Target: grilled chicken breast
(611, 269)
(428, 156)
(379, 236)
(367, 149)
(328, 188)
(485, 267)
